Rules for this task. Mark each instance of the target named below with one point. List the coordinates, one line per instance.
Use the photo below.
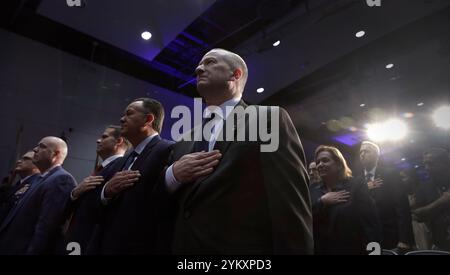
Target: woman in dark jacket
(344, 216)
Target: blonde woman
(344, 216)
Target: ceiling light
(403, 159)
(389, 66)
(146, 35)
(360, 34)
(362, 105)
(420, 104)
(276, 43)
(441, 117)
(260, 90)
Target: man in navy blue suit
(34, 224)
(84, 215)
(136, 219)
(28, 173)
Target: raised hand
(375, 183)
(195, 165)
(120, 182)
(332, 198)
(87, 184)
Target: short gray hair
(374, 145)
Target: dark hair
(154, 107)
(116, 130)
(117, 134)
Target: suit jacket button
(187, 214)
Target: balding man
(34, 224)
(239, 197)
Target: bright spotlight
(393, 129)
(441, 117)
(146, 35)
(375, 132)
(396, 129)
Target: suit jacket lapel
(222, 146)
(143, 155)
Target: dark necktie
(368, 177)
(129, 160)
(97, 169)
(203, 145)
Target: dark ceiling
(321, 73)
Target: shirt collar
(49, 170)
(372, 172)
(141, 146)
(27, 177)
(111, 159)
(225, 108)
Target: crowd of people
(149, 195)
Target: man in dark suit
(28, 173)
(233, 196)
(432, 204)
(34, 224)
(135, 218)
(84, 211)
(385, 187)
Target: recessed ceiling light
(417, 166)
(277, 43)
(362, 105)
(403, 159)
(260, 90)
(389, 66)
(360, 34)
(420, 104)
(146, 35)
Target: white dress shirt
(226, 108)
(372, 173)
(110, 159)
(141, 146)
